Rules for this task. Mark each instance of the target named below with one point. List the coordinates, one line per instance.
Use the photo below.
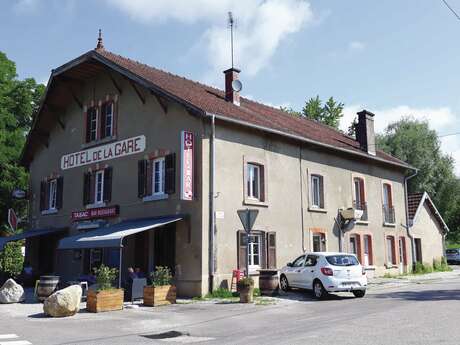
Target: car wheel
(359, 293)
(319, 292)
(284, 284)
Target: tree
(329, 114)
(414, 142)
(19, 99)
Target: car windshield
(342, 260)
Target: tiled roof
(212, 100)
(413, 200)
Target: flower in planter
(245, 283)
(105, 276)
(161, 276)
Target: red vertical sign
(12, 219)
(187, 143)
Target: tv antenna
(231, 23)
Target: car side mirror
(289, 264)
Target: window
(360, 197)
(254, 252)
(158, 176)
(368, 259)
(355, 246)
(402, 250)
(92, 122)
(311, 260)
(317, 194)
(106, 119)
(342, 260)
(97, 187)
(253, 183)
(299, 261)
(52, 194)
(319, 242)
(391, 257)
(388, 209)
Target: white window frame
(316, 193)
(161, 176)
(99, 175)
(353, 239)
(357, 188)
(253, 171)
(96, 122)
(107, 124)
(322, 241)
(52, 193)
(367, 242)
(251, 244)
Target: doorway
(165, 247)
(418, 250)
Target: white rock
(65, 302)
(11, 292)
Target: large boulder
(11, 292)
(65, 302)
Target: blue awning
(112, 236)
(28, 234)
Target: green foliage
(421, 268)
(105, 277)
(256, 292)
(245, 283)
(328, 113)
(161, 276)
(19, 99)
(11, 259)
(414, 142)
(221, 293)
(441, 265)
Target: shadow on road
(424, 295)
(307, 296)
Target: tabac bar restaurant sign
(101, 212)
(187, 143)
(105, 152)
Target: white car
(325, 272)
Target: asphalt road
(425, 313)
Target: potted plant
(160, 292)
(106, 297)
(246, 290)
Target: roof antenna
(231, 23)
(100, 44)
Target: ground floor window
(319, 242)
(254, 252)
(368, 259)
(402, 250)
(391, 257)
(355, 246)
(418, 249)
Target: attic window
(91, 124)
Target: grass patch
(221, 293)
(264, 301)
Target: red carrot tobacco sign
(187, 143)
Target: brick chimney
(365, 131)
(232, 94)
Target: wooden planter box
(159, 295)
(105, 300)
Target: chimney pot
(365, 133)
(231, 95)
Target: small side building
(427, 227)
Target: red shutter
(263, 197)
(170, 173)
(321, 191)
(241, 252)
(361, 191)
(403, 241)
(371, 253)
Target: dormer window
(101, 118)
(106, 119)
(91, 127)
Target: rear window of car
(451, 251)
(342, 260)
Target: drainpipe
(408, 225)
(212, 220)
(301, 199)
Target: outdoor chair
(137, 289)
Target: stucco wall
(162, 131)
(287, 183)
(429, 231)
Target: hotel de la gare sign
(121, 149)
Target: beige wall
(286, 181)
(162, 131)
(427, 228)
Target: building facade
(124, 152)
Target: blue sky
(392, 57)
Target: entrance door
(141, 254)
(418, 249)
(367, 253)
(165, 247)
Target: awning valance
(112, 236)
(28, 234)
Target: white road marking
(8, 336)
(15, 342)
(184, 339)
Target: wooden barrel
(268, 282)
(46, 286)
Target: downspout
(212, 220)
(301, 200)
(408, 225)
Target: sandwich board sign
(12, 219)
(248, 218)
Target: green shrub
(245, 283)
(221, 293)
(161, 276)
(256, 292)
(436, 265)
(11, 259)
(441, 265)
(421, 268)
(105, 276)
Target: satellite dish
(236, 85)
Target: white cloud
(261, 25)
(23, 6)
(356, 46)
(442, 119)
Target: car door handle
(312, 271)
(298, 270)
